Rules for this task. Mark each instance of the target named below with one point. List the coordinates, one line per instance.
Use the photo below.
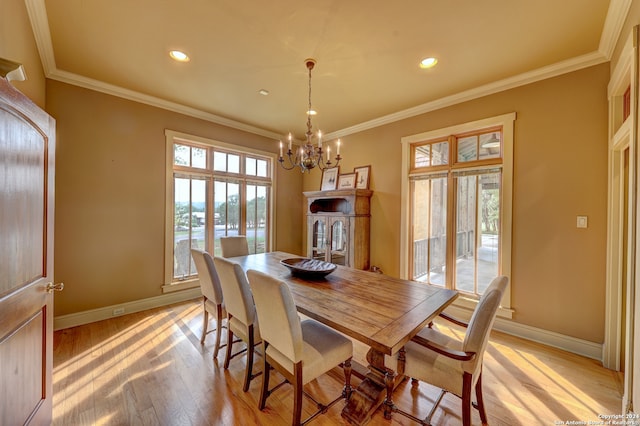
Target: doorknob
(51, 287)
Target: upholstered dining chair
(453, 366)
(241, 313)
(234, 245)
(299, 350)
(212, 301)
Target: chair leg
(249, 368)
(205, 322)
(216, 348)
(480, 401)
(466, 399)
(229, 344)
(264, 391)
(297, 391)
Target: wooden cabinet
(338, 226)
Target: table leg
(372, 391)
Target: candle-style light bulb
(338, 152)
(280, 148)
(289, 141)
(328, 154)
(319, 139)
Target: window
(456, 229)
(214, 190)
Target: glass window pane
(422, 156)
(227, 205)
(252, 228)
(182, 228)
(199, 158)
(256, 218)
(490, 145)
(262, 168)
(180, 155)
(467, 149)
(250, 168)
(466, 234)
(220, 161)
(430, 230)
(220, 215)
(234, 163)
(199, 215)
(488, 245)
(440, 153)
(477, 248)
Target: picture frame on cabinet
(362, 176)
(329, 179)
(347, 181)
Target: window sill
(181, 285)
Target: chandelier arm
(308, 156)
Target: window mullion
(477, 234)
(450, 276)
(243, 207)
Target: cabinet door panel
(339, 242)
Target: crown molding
(543, 73)
(616, 15)
(99, 86)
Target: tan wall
(560, 171)
(110, 195)
(18, 44)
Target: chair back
(208, 276)
(238, 299)
(481, 322)
(234, 245)
(279, 321)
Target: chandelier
(309, 156)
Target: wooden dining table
(380, 311)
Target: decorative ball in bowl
(310, 268)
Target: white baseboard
(93, 315)
(570, 344)
(556, 340)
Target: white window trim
(507, 123)
(171, 137)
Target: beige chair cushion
(234, 246)
(426, 365)
(446, 373)
(322, 349)
(290, 341)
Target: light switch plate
(581, 222)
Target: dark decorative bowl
(309, 268)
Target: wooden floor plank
(149, 368)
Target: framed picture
(347, 181)
(362, 177)
(329, 179)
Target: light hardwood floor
(149, 368)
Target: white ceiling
(367, 53)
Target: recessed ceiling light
(179, 56)
(263, 92)
(428, 62)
